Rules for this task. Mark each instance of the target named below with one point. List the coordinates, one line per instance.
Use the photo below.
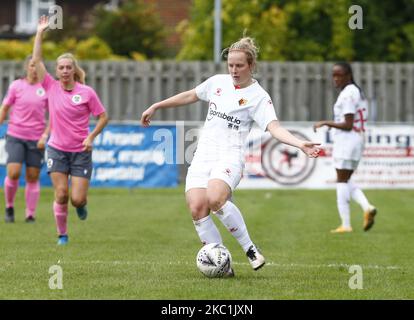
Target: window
(28, 13)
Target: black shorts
(76, 164)
(24, 151)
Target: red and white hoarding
(388, 160)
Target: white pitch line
(268, 264)
(330, 265)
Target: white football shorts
(349, 146)
(200, 172)
(347, 150)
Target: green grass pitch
(141, 244)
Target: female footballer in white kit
(350, 116)
(236, 100)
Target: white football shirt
(349, 144)
(230, 116)
(350, 101)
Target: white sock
(207, 230)
(232, 219)
(343, 196)
(358, 196)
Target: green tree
(305, 30)
(268, 27)
(388, 32)
(134, 27)
(14, 50)
(91, 48)
(284, 30)
(319, 30)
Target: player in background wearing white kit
(350, 113)
(235, 102)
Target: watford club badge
(242, 102)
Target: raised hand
(43, 24)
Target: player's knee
(61, 195)
(215, 202)
(78, 202)
(32, 177)
(13, 174)
(197, 208)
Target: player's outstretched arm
(278, 132)
(37, 47)
(347, 125)
(180, 99)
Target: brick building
(172, 12)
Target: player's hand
(311, 149)
(147, 115)
(43, 24)
(41, 144)
(318, 124)
(87, 144)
